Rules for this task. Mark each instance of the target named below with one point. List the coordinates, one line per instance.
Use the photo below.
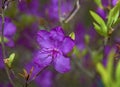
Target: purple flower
(107, 50)
(27, 37)
(106, 2)
(54, 47)
(101, 12)
(80, 33)
(114, 2)
(29, 6)
(35, 71)
(53, 9)
(9, 31)
(5, 85)
(45, 79)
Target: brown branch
(73, 12)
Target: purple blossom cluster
(53, 11)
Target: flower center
(55, 52)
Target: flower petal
(67, 45)
(57, 34)
(43, 39)
(10, 29)
(10, 42)
(42, 59)
(35, 71)
(44, 79)
(62, 64)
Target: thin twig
(26, 83)
(73, 12)
(87, 72)
(59, 10)
(3, 46)
(37, 74)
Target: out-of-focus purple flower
(27, 37)
(107, 50)
(54, 10)
(5, 85)
(9, 31)
(30, 7)
(107, 2)
(45, 79)
(35, 71)
(79, 36)
(114, 2)
(1, 85)
(80, 32)
(101, 12)
(54, 46)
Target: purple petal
(10, 29)
(10, 43)
(101, 12)
(67, 45)
(114, 2)
(45, 79)
(79, 36)
(105, 3)
(57, 34)
(43, 39)
(29, 7)
(42, 59)
(62, 64)
(35, 71)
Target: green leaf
(96, 56)
(110, 62)
(84, 52)
(72, 35)
(99, 3)
(5, 39)
(113, 15)
(87, 39)
(100, 25)
(9, 60)
(99, 30)
(98, 19)
(117, 73)
(100, 68)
